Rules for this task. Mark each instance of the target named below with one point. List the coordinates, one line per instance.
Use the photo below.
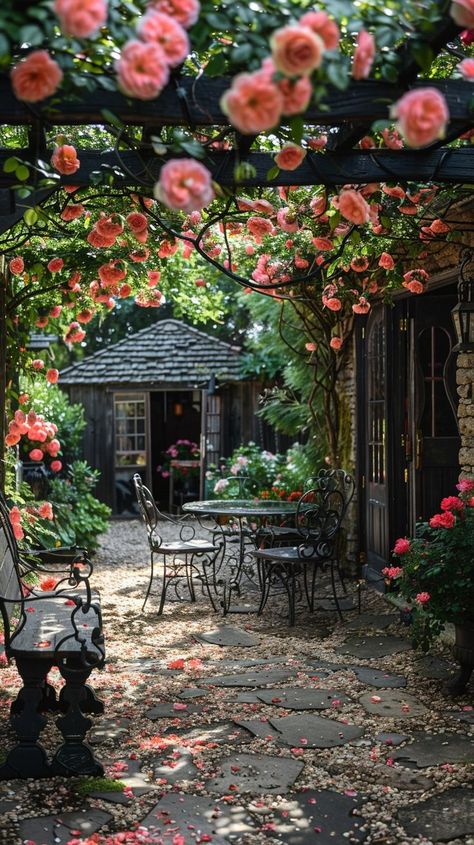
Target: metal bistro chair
(318, 519)
(183, 557)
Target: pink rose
(465, 485)
(335, 343)
(46, 510)
(52, 376)
(332, 302)
(36, 77)
(165, 31)
(296, 50)
(65, 160)
(81, 18)
(362, 306)
(74, 333)
(142, 70)
(137, 221)
(462, 12)
(422, 115)
(56, 466)
(289, 157)
(18, 532)
(55, 265)
(36, 455)
(452, 503)
(112, 273)
(467, 69)
(259, 227)
(318, 143)
(386, 261)
(422, 598)
(323, 244)
(287, 220)
(443, 520)
(323, 26)
(402, 546)
(296, 94)
(72, 211)
(392, 139)
(353, 206)
(253, 103)
(37, 364)
(186, 12)
(17, 266)
(185, 185)
(392, 571)
(364, 54)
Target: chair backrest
(337, 479)
(241, 483)
(11, 591)
(147, 507)
(319, 516)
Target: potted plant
(435, 573)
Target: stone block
(464, 376)
(466, 457)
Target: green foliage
(80, 517)
(253, 472)
(437, 576)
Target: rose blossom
(362, 306)
(186, 12)
(55, 265)
(36, 455)
(323, 26)
(46, 510)
(17, 266)
(452, 503)
(287, 220)
(52, 376)
(37, 364)
(56, 466)
(253, 103)
(392, 571)
(72, 211)
(142, 70)
(137, 221)
(402, 546)
(289, 157)
(386, 261)
(392, 139)
(462, 12)
(185, 185)
(363, 55)
(467, 69)
(353, 206)
(323, 244)
(335, 343)
(36, 77)
(65, 160)
(443, 520)
(168, 33)
(465, 485)
(422, 115)
(81, 18)
(422, 598)
(296, 50)
(259, 227)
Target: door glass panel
(437, 418)
(130, 447)
(376, 402)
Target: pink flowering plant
(182, 450)
(434, 571)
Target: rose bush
(435, 569)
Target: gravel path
(169, 731)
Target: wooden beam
(12, 207)
(366, 101)
(334, 168)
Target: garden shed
(168, 382)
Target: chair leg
(334, 592)
(266, 572)
(150, 581)
(163, 588)
(189, 576)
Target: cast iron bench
(61, 628)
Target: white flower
(221, 485)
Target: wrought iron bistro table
(238, 521)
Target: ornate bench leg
(91, 703)
(75, 757)
(28, 759)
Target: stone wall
(346, 388)
(465, 382)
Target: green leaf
(22, 172)
(31, 34)
(297, 128)
(23, 193)
(216, 65)
(423, 55)
(241, 54)
(30, 216)
(272, 173)
(10, 165)
(194, 148)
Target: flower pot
(464, 653)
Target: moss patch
(88, 785)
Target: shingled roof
(169, 352)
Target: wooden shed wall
(98, 445)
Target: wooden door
(376, 474)
(435, 434)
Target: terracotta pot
(464, 653)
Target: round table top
(241, 507)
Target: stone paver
(310, 731)
(256, 678)
(317, 817)
(441, 817)
(298, 698)
(378, 677)
(378, 621)
(435, 749)
(392, 704)
(197, 813)
(374, 646)
(57, 830)
(227, 635)
(166, 710)
(258, 773)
